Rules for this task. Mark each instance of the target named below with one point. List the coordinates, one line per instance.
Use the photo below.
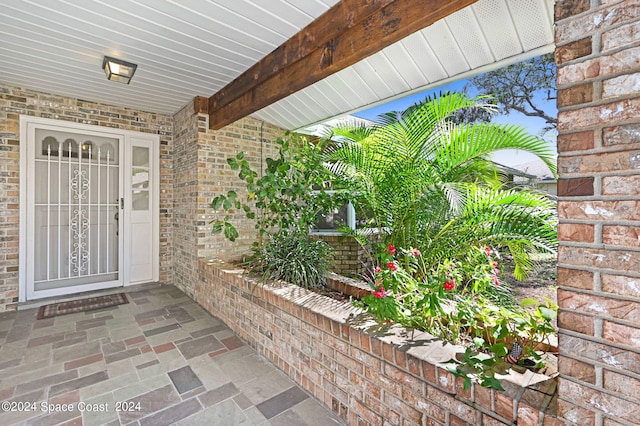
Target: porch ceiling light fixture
(118, 70)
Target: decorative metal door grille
(76, 210)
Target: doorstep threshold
(31, 304)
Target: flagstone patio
(160, 359)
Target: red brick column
(598, 56)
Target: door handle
(122, 203)
(116, 217)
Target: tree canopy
(515, 87)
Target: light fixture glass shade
(118, 70)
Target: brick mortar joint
(601, 198)
(622, 248)
(599, 293)
(599, 246)
(598, 222)
(593, 387)
(598, 340)
(572, 244)
(572, 356)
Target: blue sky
(511, 158)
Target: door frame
(27, 175)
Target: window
(331, 222)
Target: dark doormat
(89, 304)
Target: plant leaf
(500, 349)
(491, 382)
(547, 313)
(482, 357)
(529, 302)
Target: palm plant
(426, 181)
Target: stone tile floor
(159, 360)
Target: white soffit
(484, 36)
(193, 48)
(182, 48)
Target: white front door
(89, 208)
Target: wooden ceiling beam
(347, 33)
(340, 17)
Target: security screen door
(90, 210)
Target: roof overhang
(485, 36)
(347, 33)
(184, 50)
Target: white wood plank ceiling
(194, 48)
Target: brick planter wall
(598, 56)
(367, 374)
(349, 258)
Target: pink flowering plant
(455, 302)
(400, 292)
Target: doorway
(89, 208)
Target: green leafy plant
(289, 195)
(399, 297)
(423, 179)
(294, 258)
(284, 202)
(501, 337)
(426, 188)
(460, 314)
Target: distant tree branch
(514, 86)
(536, 113)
